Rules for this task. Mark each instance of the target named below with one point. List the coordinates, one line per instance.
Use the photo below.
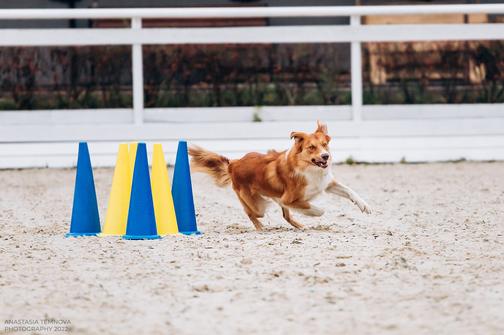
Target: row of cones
(140, 206)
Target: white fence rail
(24, 133)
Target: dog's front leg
(301, 206)
(346, 192)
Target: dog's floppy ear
(298, 136)
(321, 128)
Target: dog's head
(312, 149)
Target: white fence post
(356, 72)
(137, 72)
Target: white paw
(364, 207)
(313, 211)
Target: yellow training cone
(118, 205)
(166, 221)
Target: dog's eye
(312, 147)
(324, 145)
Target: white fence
(370, 133)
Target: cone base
(109, 235)
(191, 232)
(80, 234)
(169, 234)
(141, 237)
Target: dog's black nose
(324, 156)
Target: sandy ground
(429, 260)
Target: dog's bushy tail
(211, 163)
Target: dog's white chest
(317, 180)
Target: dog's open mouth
(321, 164)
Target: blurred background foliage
(245, 75)
(65, 78)
(435, 72)
(251, 75)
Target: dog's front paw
(313, 211)
(364, 207)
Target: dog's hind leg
(288, 218)
(250, 205)
(252, 215)
(257, 224)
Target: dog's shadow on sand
(236, 229)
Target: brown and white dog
(291, 178)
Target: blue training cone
(85, 217)
(141, 218)
(182, 193)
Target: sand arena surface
(429, 260)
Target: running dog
(291, 178)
